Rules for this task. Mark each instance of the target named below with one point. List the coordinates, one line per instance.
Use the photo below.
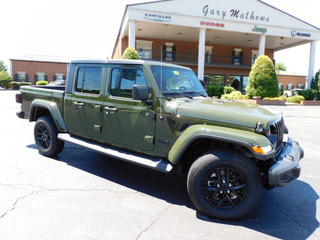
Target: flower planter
(263, 102)
(310, 103)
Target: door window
(89, 80)
(123, 80)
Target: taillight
(19, 98)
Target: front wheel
(45, 136)
(224, 184)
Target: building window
(208, 54)
(255, 55)
(59, 76)
(169, 52)
(301, 86)
(237, 56)
(21, 76)
(290, 86)
(280, 85)
(41, 76)
(144, 49)
(215, 80)
(239, 83)
(123, 80)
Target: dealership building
(218, 39)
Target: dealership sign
(295, 33)
(212, 24)
(248, 15)
(259, 29)
(158, 17)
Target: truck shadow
(284, 213)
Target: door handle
(78, 104)
(110, 109)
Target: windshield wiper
(180, 94)
(193, 92)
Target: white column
(132, 34)
(201, 53)
(262, 44)
(311, 63)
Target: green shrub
(42, 82)
(16, 85)
(228, 90)
(234, 95)
(281, 98)
(295, 99)
(215, 90)
(308, 94)
(130, 53)
(263, 79)
(5, 79)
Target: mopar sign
(294, 33)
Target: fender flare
(244, 138)
(52, 108)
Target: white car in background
(292, 92)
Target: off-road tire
(224, 184)
(45, 136)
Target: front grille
(276, 133)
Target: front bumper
(286, 168)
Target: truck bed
(54, 94)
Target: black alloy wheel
(224, 184)
(225, 187)
(46, 137)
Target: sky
(88, 29)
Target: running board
(157, 164)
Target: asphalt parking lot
(85, 195)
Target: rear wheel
(224, 184)
(45, 136)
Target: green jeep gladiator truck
(159, 116)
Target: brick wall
(31, 68)
(220, 52)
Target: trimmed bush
(42, 82)
(263, 79)
(5, 79)
(281, 98)
(130, 53)
(17, 85)
(295, 99)
(308, 94)
(234, 95)
(228, 90)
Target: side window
(123, 80)
(89, 80)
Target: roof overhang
(232, 22)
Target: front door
(127, 123)
(83, 107)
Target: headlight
(261, 130)
(262, 150)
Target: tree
(5, 78)
(130, 53)
(281, 66)
(3, 66)
(315, 81)
(263, 79)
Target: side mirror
(140, 92)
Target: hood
(219, 112)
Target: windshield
(177, 82)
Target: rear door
(127, 123)
(83, 107)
